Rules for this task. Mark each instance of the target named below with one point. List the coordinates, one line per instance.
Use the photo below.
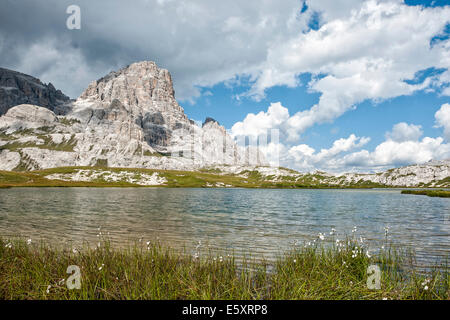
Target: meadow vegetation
(149, 270)
(175, 178)
(430, 193)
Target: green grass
(38, 271)
(430, 193)
(48, 143)
(68, 121)
(175, 178)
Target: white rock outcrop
(110, 176)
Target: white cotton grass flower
(386, 231)
(321, 236)
(425, 284)
(368, 254)
(295, 260)
(354, 229)
(101, 267)
(48, 289)
(61, 282)
(333, 231)
(74, 250)
(8, 245)
(29, 241)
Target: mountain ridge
(18, 88)
(129, 118)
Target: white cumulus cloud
(366, 55)
(401, 147)
(404, 132)
(257, 124)
(443, 119)
(306, 159)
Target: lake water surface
(261, 222)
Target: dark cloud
(201, 42)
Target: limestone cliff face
(18, 88)
(141, 93)
(129, 118)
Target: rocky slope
(18, 88)
(431, 174)
(129, 118)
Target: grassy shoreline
(173, 179)
(429, 193)
(31, 270)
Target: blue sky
(373, 118)
(369, 119)
(355, 85)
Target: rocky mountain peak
(17, 88)
(128, 118)
(140, 83)
(211, 125)
(209, 119)
(146, 98)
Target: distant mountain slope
(18, 88)
(431, 174)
